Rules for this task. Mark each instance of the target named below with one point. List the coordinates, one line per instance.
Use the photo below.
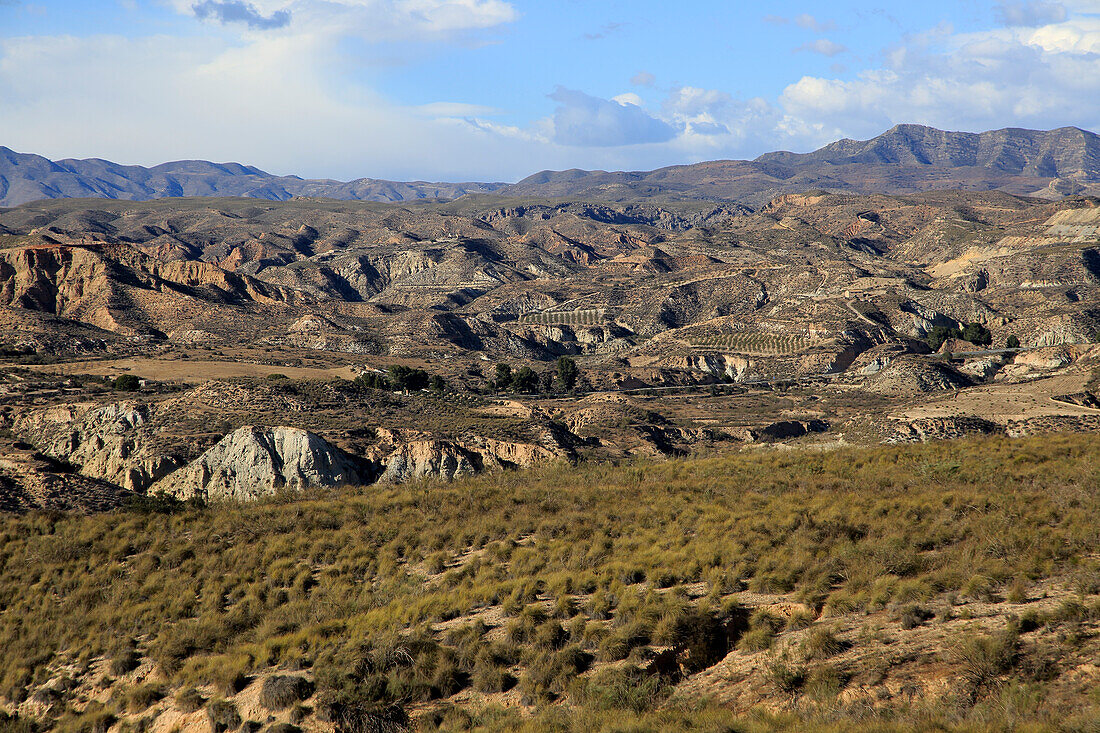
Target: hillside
(950, 587)
(906, 159)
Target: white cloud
(1042, 77)
(809, 22)
(456, 109)
(1030, 12)
(823, 46)
(584, 120)
(643, 79)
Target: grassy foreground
(586, 595)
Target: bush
(223, 716)
(284, 728)
(126, 660)
(821, 643)
(280, 692)
(621, 688)
(140, 698)
(189, 700)
(984, 658)
(372, 380)
(785, 676)
(488, 677)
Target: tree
(976, 333)
(525, 380)
(1012, 342)
(437, 383)
(127, 382)
(404, 377)
(938, 335)
(567, 372)
(503, 379)
(373, 380)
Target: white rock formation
(256, 461)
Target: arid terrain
(481, 398)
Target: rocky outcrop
(110, 442)
(942, 428)
(405, 455)
(30, 480)
(257, 461)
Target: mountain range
(905, 159)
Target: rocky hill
(905, 159)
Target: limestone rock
(256, 461)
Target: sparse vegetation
(592, 565)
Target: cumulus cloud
(1030, 12)
(823, 46)
(584, 120)
(1044, 77)
(643, 79)
(235, 11)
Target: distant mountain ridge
(27, 177)
(905, 159)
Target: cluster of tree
(126, 383)
(526, 380)
(402, 377)
(975, 333)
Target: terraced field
(584, 317)
(755, 342)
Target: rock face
(253, 461)
(109, 442)
(403, 456)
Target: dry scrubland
(941, 586)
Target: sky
(495, 90)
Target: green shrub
(125, 660)
(621, 688)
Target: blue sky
(499, 89)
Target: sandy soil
(1003, 402)
(189, 370)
